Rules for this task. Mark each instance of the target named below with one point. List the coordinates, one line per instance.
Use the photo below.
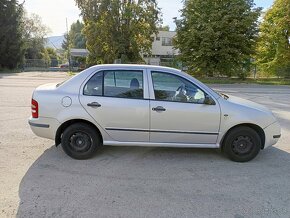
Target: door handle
(159, 108)
(94, 104)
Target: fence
(39, 64)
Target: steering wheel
(180, 94)
(181, 89)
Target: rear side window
(116, 83)
(123, 84)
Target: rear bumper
(272, 134)
(44, 127)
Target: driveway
(39, 180)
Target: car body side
(54, 114)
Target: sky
(55, 12)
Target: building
(162, 51)
(77, 52)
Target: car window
(170, 87)
(123, 84)
(94, 86)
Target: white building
(162, 49)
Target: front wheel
(80, 141)
(242, 144)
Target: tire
(80, 141)
(242, 144)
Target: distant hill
(54, 42)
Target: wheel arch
(67, 123)
(255, 127)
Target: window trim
(102, 71)
(173, 74)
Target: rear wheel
(242, 144)
(80, 141)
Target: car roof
(108, 66)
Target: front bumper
(272, 134)
(44, 127)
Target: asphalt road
(39, 180)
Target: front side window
(116, 83)
(169, 87)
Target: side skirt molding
(150, 144)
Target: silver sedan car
(141, 105)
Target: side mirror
(208, 100)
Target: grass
(261, 81)
(71, 73)
(10, 71)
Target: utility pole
(68, 47)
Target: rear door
(116, 100)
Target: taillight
(34, 108)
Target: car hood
(248, 104)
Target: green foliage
(273, 49)
(118, 29)
(217, 37)
(34, 33)
(45, 56)
(76, 38)
(11, 41)
(164, 28)
(53, 57)
(65, 43)
(52, 53)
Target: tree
(44, 55)
(273, 48)
(65, 44)
(34, 32)
(53, 57)
(11, 41)
(118, 29)
(217, 37)
(164, 28)
(76, 38)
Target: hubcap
(80, 142)
(242, 145)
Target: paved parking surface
(39, 180)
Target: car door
(115, 99)
(178, 112)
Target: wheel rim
(242, 145)
(80, 142)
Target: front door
(178, 112)
(115, 99)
